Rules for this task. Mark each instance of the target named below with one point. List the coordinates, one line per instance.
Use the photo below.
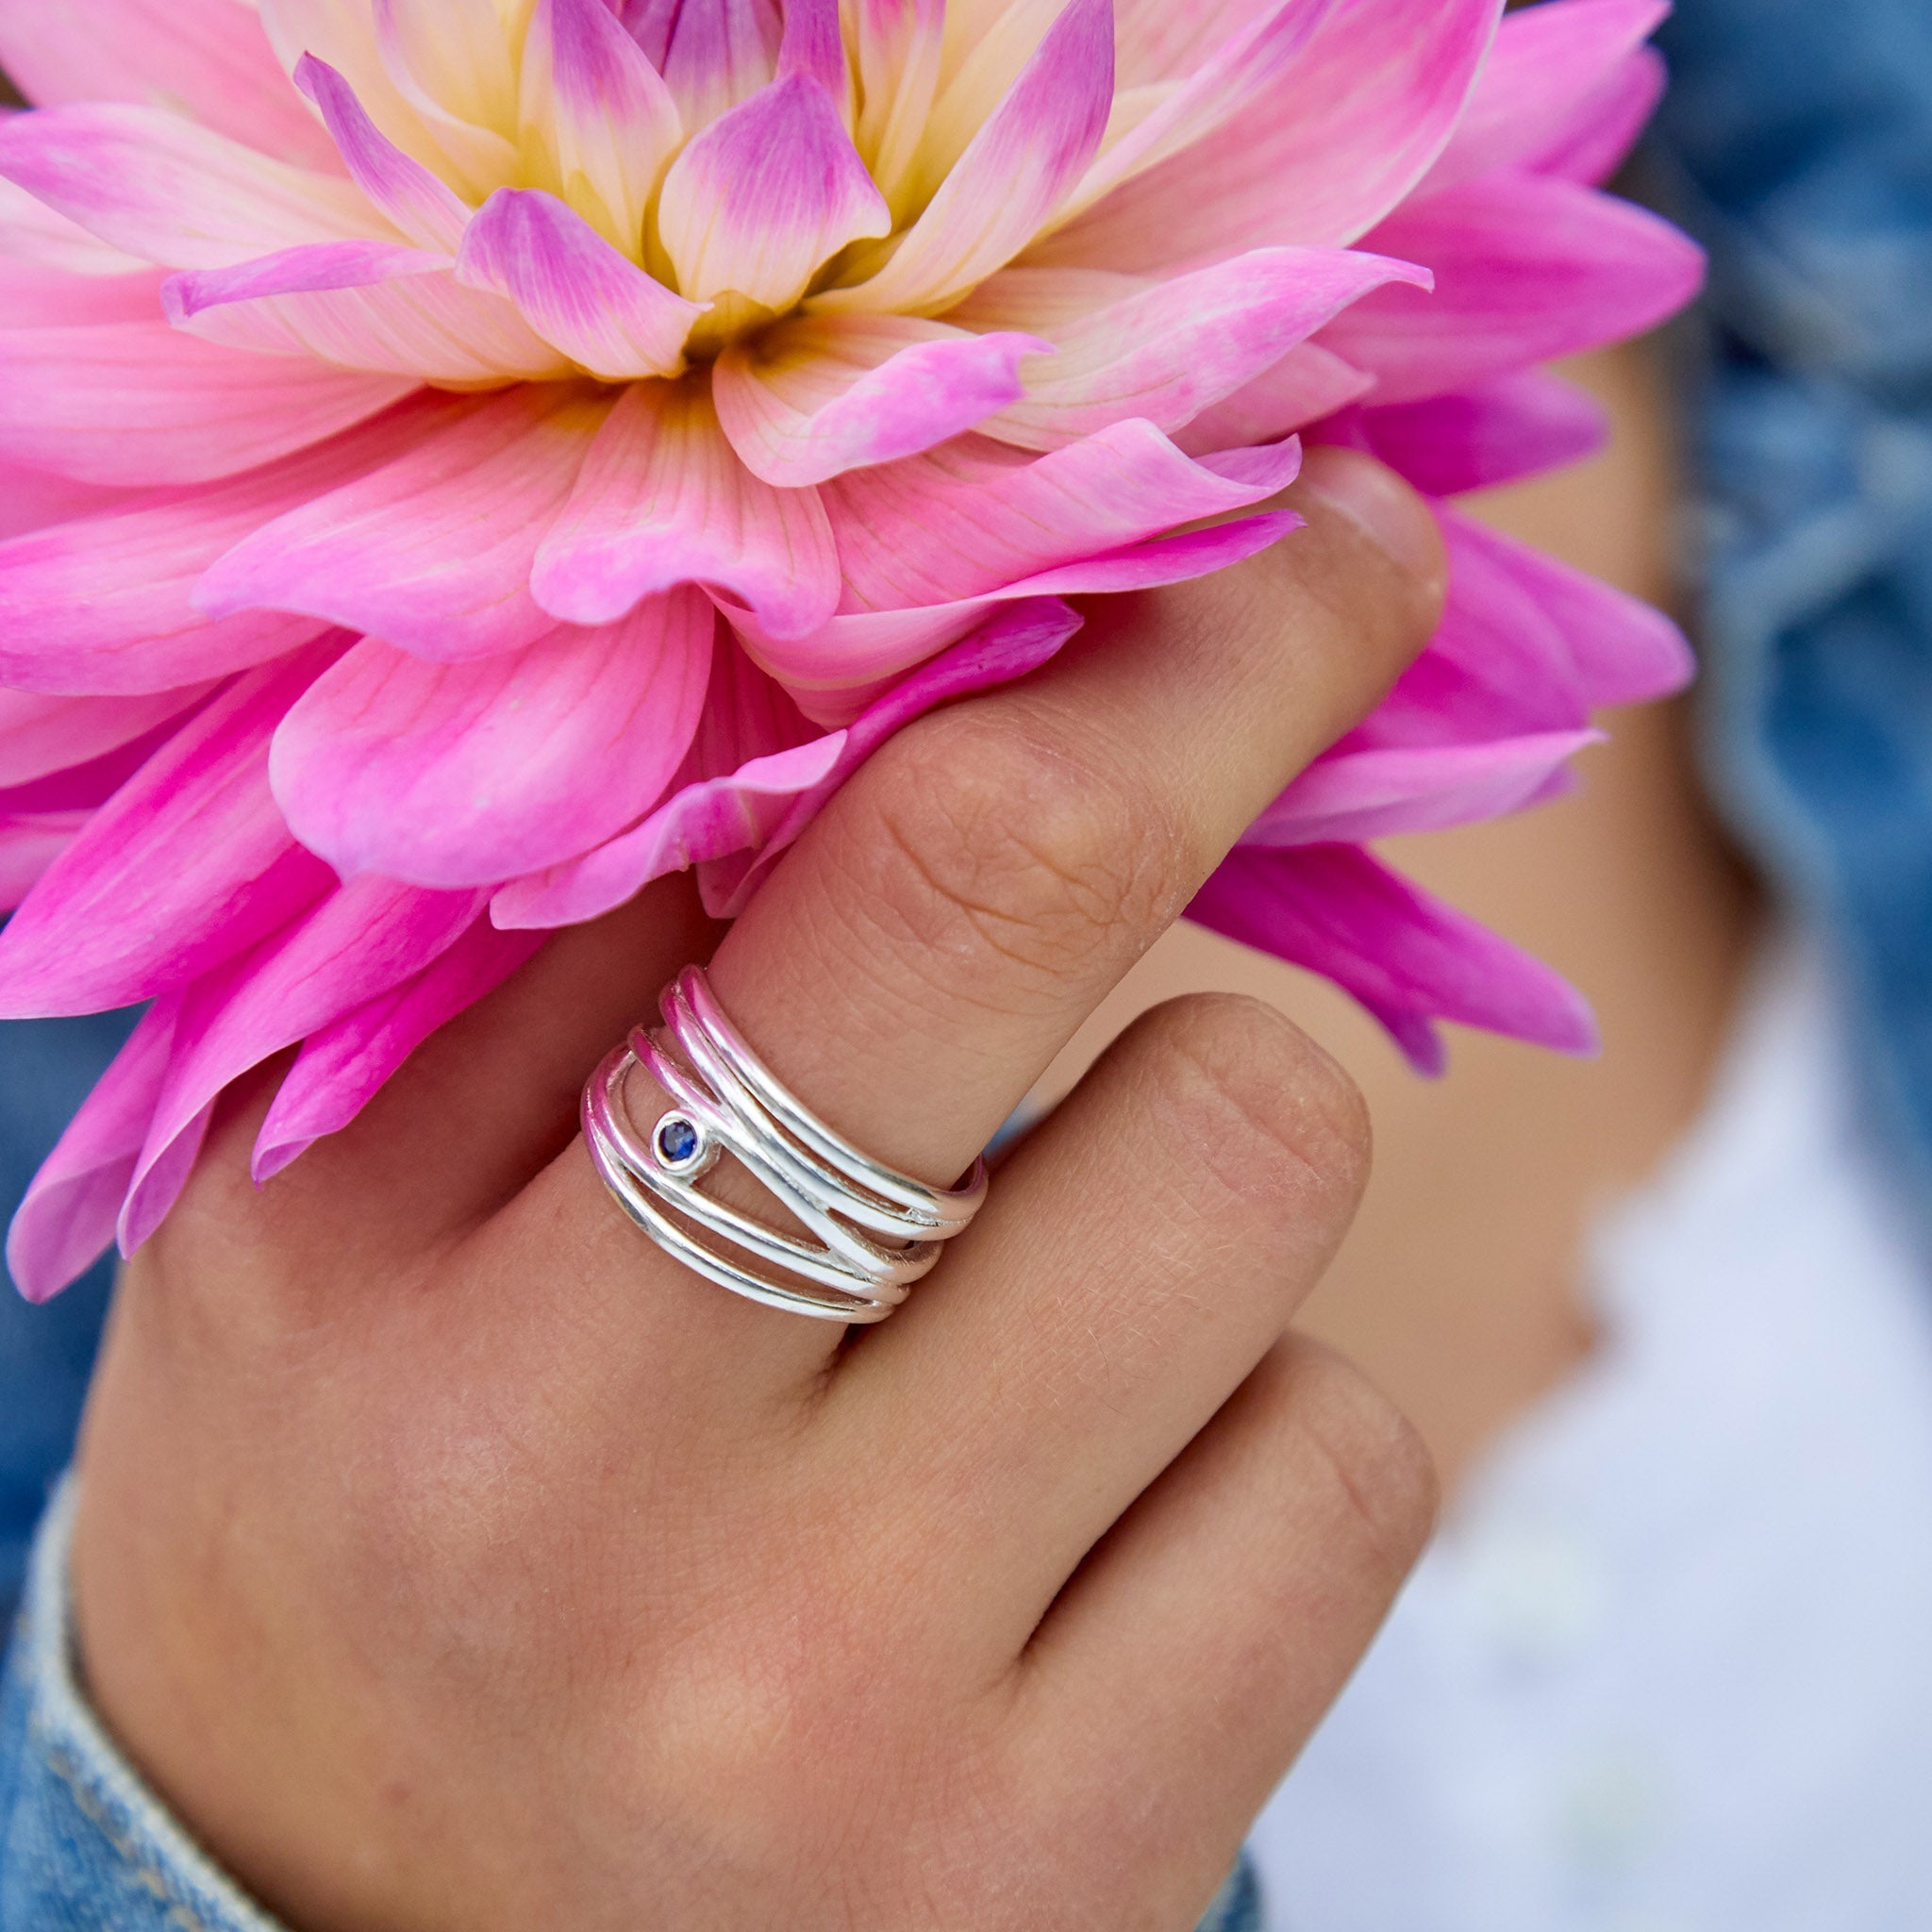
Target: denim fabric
(1797, 143)
(84, 1845)
(45, 1353)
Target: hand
(453, 1561)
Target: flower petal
(139, 403)
(1016, 172)
(599, 113)
(896, 47)
(105, 604)
(1165, 355)
(1605, 128)
(973, 515)
(361, 941)
(316, 268)
(432, 552)
(30, 842)
(189, 863)
(32, 232)
(815, 45)
(1625, 653)
(32, 296)
(1527, 268)
(713, 53)
(754, 788)
(1249, 64)
(41, 734)
(421, 206)
(1407, 958)
(663, 500)
(465, 774)
(343, 1066)
(1308, 383)
(452, 63)
(161, 187)
(1548, 63)
(1356, 121)
(1515, 426)
(32, 500)
(810, 399)
(213, 59)
(1350, 797)
(66, 1222)
(575, 289)
(765, 196)
(1008, 645)
(835, 675)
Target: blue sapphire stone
(677, 1139)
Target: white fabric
(1669, 1669)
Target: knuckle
(993, 841)
(1283, 1119)
(1385, 1490)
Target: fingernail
(1387, 511)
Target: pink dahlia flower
(462, 459)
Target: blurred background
(1666, 1316)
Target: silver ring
(879, 1230)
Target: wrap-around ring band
(879, 1230)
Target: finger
(1183, 1667)
(1148, 1245)
(981, 885)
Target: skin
(451, 1559)
(1461, 1286)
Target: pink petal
(575, 289)
(762, 778)
(1517, 425)
(1604, 131)
(600, 114)
(812, 398)
(159, 187)
(381, 307)
(1356, 122)
(105, 604)
(344, 1065)
(32, 500)
(423, 208)
(836, 674)
(1548, 64)
(40, 735)
(765, 196)
(317, 268)
(973, 515)
(138, 403)
(32, 232)
(1166, 355)
(1308, 383)
(432, 552)
(1625, 653)
(184, 866)
(465, 774)
(663, 500)
(213, 59)
(1013, 643)
(32, 296)
(713, 55)
(29, 843)
(66, 1222)
(1407, 958)
(815, 45)
(1350, 797)
(1526, 268)
(361, 941)
(1017, 171)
